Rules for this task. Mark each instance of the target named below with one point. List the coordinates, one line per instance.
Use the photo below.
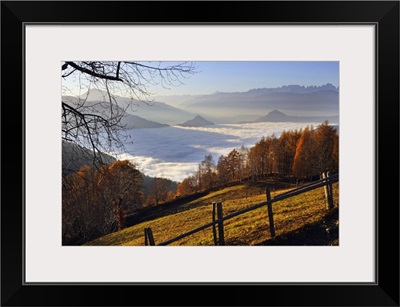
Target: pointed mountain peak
(197, 121)
(276, 113)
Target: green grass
(300, 220)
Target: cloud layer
(175, 152)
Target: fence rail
(325, 182)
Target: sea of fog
(174, 152)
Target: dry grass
(301, 220)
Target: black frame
(384, 14)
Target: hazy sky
(241, 76)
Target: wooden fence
(218, 219)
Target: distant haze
(235, 107)
(294, 100)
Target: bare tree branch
(97, 124)
(93, 73)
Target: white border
(352, 261)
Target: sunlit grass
(251, 228)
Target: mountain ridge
(278, 116)
(224, 107)
(102, 108)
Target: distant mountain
(274, 116)
(313, 100)
(151, 110)
(277, 116)
(104, 108)
(197, 121)
(298, 89)
(230, 107)
(136, 122)
(180, 101)
(160, 112)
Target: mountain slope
(151, 110)
(197, 121)
(75, 156)
(133, 121)
(159, 112)
(105, 109)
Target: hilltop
(197, 121)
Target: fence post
(220, 224)
(270, 213)
(148, 237)
(328, 191)
(214, 225)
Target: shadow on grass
(322, 233)
(184, 203)
(171, 207)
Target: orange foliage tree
(304, 159)
(317, 151)
(96, 201)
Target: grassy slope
(301, 220)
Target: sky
(240, 76)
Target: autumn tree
(242, 161)
(223, 176)
(96, 201)
(254, 166)
(317, 151)
(187, 186)
(207, 173)
(120, 213)
(262, 157)
(233, 160)
(158, 192)
(84, 213)
(324, 142)
(304, 159)
(97, 125)
(79, 213)
(336, 153)
(286, 150)
(122, 179)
